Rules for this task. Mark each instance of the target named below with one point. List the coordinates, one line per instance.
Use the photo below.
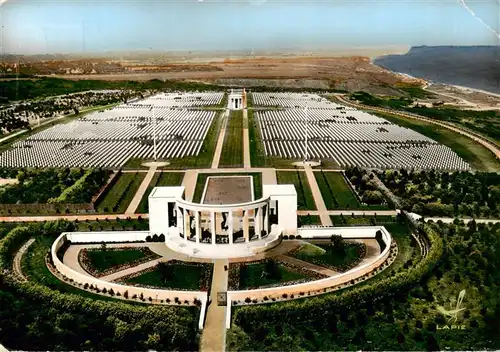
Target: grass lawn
(113, 225)
(33, 266)
(335, 191)
(360, 220)
(120, 195)
(204, 158)
(103, 260)
(305, 200)
(324, 258)
(474, 153)
(308, 220)
(254, 276)
(185, 277)
(159, 180)
(232, 149)
(202, 179)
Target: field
(305, 200)
(202, 179)
(254, 276)
(232, 149)
(475, 154)
(181, 277)
(160, 179)
(120, 195)
(335, 191)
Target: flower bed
(86, 263)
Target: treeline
(365, 185)
(34, 317)
(432, 193)
(273, 326)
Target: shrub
(248, 300)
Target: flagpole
(306, 135)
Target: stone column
(246, 230)
(257, 221)
(212, 226)
(266, 218)
(230, 226)
(178, 214)
(197, 225)
(187, 228)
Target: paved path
(350, 212)
(134, 269)
(18, 260)
(220, 141)
(246, 140)
(213, 338)
(472, 135)
(318, 198)
(310, 266)
(189, 182)
(269, 177)
(132, 207)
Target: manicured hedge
(35, 317)
(324, 305)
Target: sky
(75, 26)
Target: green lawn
(305, 200)
(308, 220)
(120, 195)
(33, 266)
(202, 179)
(113, 225)
(335, 191)
(102, 260)
(474, 153)
(335, 261)
(254, 277)
(185, 277)
(159, 180)
(232, 149)
(360, 220)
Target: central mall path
(142, 189)
(318, 198)
(213, 338)
(220, 140)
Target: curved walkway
(16, 265)
(476, 137)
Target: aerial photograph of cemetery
(254, 175)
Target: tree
(336, 244)
(272, 270)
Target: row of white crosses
(360, 139)
(110, 138)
